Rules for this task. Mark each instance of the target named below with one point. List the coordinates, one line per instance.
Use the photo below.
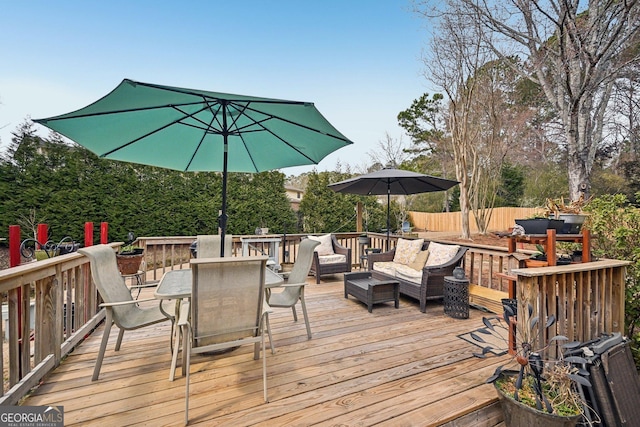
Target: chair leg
(174, 355)
(187, 349)
(103, 345)
(119, 342)
(264, 370)
(273, 351)
(304, 313)
(295, 315)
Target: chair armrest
(288, 285)
(380, 257)
(266, 308)
(339, 249)
(185, 309)
(120, 303)
(447, 267)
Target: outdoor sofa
(419, 266)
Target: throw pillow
(325, 247)
(439, 253)
(420, 261)
(407, 250)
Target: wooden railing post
(14, 245)
(104, 232)
(88, 234)
(43, 235)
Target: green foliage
(542, 182)
(615, 225)
(512, 182)
(326, 211)
(68, 185)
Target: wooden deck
(390, 367)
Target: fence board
(501, 219)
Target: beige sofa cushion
(386, 267)
(407, 273)
(439, 253)
(420, 261)
(325, 247)
(407, 250)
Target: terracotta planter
(531, 263)
(129, 264)
(517, 414)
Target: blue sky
(357, 60)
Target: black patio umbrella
(392, 181)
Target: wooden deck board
(389, 367)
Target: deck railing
(64, 302)
(587, 299)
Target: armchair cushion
(325, 247)
(407, 250)
(440, 254)
(331, 259)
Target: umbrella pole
(388, 214)
(222, 220)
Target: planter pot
(540, 225)
(572, 223)
(531, 263)
(517, 414)
(129, 264)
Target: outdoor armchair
(227, 309)
(293, 288)
(330, 257)
(120, 306)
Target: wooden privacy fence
(501, 219)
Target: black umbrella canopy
(392, 181)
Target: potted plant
(571, 213)
(541, 387)
(537, 259)
(129, 256)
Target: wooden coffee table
(370, 291)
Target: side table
(456, 297)
(371, 291)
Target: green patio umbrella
(197, 130)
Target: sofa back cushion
(420, 260)
(326, 245)
(440, 254)
(407, 250)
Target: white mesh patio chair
(227, 310)
(293, 289)
(120, 306)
